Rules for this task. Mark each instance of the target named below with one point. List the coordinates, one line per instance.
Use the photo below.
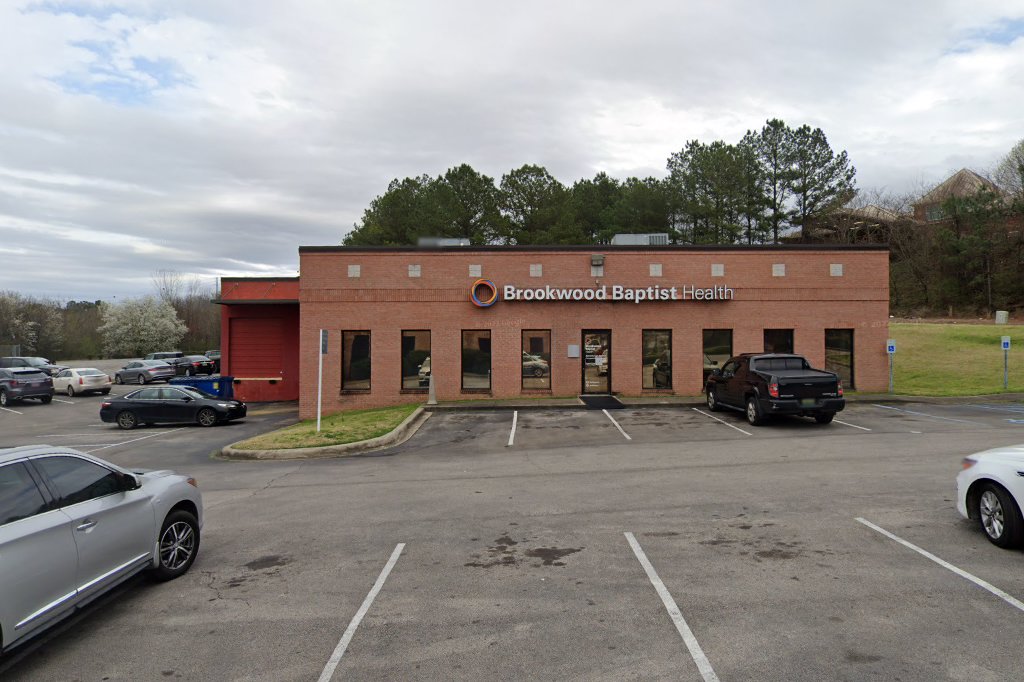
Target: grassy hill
(955, 358)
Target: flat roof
(590, 248)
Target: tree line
(752, 191)
(180, 315)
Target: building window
(536, 270)
(354, 271)
(355, 361)
(835, 269)
(839, 354)
(778, 340)
(414, 270)
(476, 359)
(597, 271)
(537, 358)
(657, 358)
(934, 213)
(717, 349)
(655, 269)
(718, 270)
(476, 271)
(778, 269)
(415, 359)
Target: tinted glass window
(19, 496)
(147, 394)
(537, 359)
(78, 480)
(476, 359)
(355, 361)
(90, 372)
(415, 352)
(657, 358)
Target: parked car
(424, 372)
(165, 355)
(990, 490)
(33, 362)
(73, 526)
(534, 365)
(80, 380)
(766, 384)
(144, 371)
(215, 356)
(19, 383)
(191, 365)
(171, 404)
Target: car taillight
(773, 389)
(81, 381)
(14, 383)
(839, 387)
(106, 404)
(192, 482)
(195, 364)
(151, 369)
(968, 463)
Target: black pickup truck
(765, 384)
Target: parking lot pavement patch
(504, 552)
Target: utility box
(1002, 316)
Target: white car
(73, 526)
(77, 380)
(990, 490)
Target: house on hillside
(962, 184)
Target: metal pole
(432, 396)
(320, 381)
(1006, 369)
(890, 372)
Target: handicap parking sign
(1006, 343)
(890, 346)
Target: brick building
(509, 322)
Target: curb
(399, 435)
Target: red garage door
(257, 347)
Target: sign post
(890, 348)
(320, 377)
(1006, 362)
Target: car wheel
(178, 545)
(71, 391)
(1000, 517)
(127, 420)
(46, 399)
(3, 399)
(754, 412)
(206, 417)
(188, 372)
(824, 417)
(713, 400)
(117, 379)
(538, 371)
(141, 380)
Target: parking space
(516, 559)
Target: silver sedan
(74, 526)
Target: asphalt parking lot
(656, 543)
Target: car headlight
(225, 405)
(968, 463)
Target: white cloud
(217, 136)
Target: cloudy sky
(213, 137)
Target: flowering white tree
(140, 326)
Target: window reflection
(476, 359)
(536, 367)
(657, 358)
(717, 349)
(415, 359)
(355, 361)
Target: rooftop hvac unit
(650, 239)
(442, 241)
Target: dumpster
(222, 387)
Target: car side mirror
(129, 482)
(187, 399)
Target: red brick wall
(385, 300)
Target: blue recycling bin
(220, 386)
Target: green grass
(337, 429)
(955, 359)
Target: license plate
(807, 402)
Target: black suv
(42, 364)
(18, 383)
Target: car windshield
(155, 363)
(196, 393)
(37, 362)
(28, 372)
(197, 358)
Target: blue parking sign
(1006, 343)
(890, 346)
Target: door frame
(583, 360)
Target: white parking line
(7, 410)
(862, 428)
(133, 440)
(512, 434)
(66, 402)
(703, 664)
(1000, 408)
(923, 414)
(339, 650)
(616, 425)
(721, 421)
(1012, 601)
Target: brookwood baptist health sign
(485, 293)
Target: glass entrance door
(597, 361)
